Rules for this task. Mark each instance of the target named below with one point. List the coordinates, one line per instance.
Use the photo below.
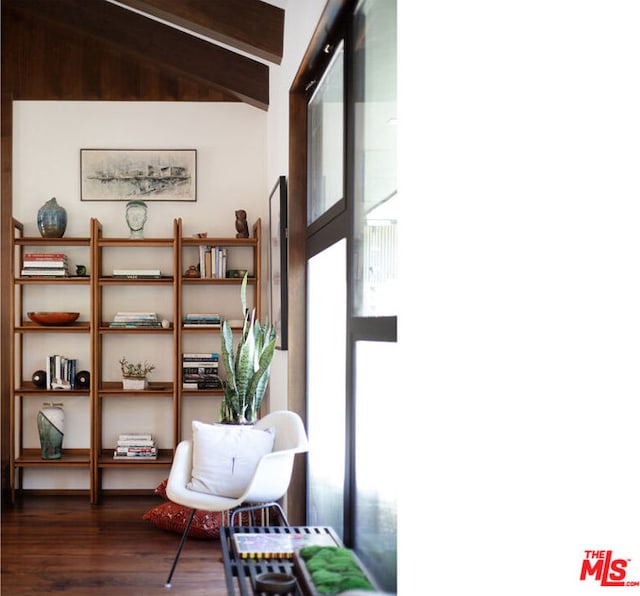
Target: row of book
(135, 445)
(135, 320)
(202, 319)
(213, 262)
(200, 371)
(37, 264)
(60, 372)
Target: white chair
(269, 483)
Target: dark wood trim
(145, 42)
(313, 59)
(316, 58)
(227, 21)
(296, 386)
(6, 231)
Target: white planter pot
(134, 383)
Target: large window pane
(326, 140)
(377, 466)
(375, 183)
(326, 326)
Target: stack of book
(137, 273)
(200, 371)
(138, 445)
(213, 262)
(36, 264)
(61, 372)
(136, 320)
(203, 319)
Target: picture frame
(142, 174)
(278, 258)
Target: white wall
(300, 22)
(230, 140)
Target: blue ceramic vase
(52, 219)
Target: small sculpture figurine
(192, 271)
(241, 224)
(136, 215)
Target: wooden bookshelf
(96, 456)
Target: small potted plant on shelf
(247, 366)
(134, 376)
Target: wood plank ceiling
(140, 49)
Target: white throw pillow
(225, 457)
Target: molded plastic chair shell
(270, 480)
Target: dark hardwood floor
(64, 544)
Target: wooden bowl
(53, 318)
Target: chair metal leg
(184, 537)
(251, 508)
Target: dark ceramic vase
(52, 219)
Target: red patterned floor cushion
(173, 517)
(161, 489)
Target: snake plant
(247, 367)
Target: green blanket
(333, 569)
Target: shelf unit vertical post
(177, 330)
(16, 339)
(95, 480)
(257, 266)
(177, 325)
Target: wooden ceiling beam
(248, 25)
(148, 40)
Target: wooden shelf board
(104, 328)
(31, 327)
(203, 392)
(70, 458)
(106, 460)
(157, 388)
(216, 330)
(133, 242)
(80, 281)
(164, 280)
(29, 389)
(231, 281)
(38, 241)
(249, 242)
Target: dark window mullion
(374, 328)
(349, 190)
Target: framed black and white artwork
(143, 174)
(278, 235)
